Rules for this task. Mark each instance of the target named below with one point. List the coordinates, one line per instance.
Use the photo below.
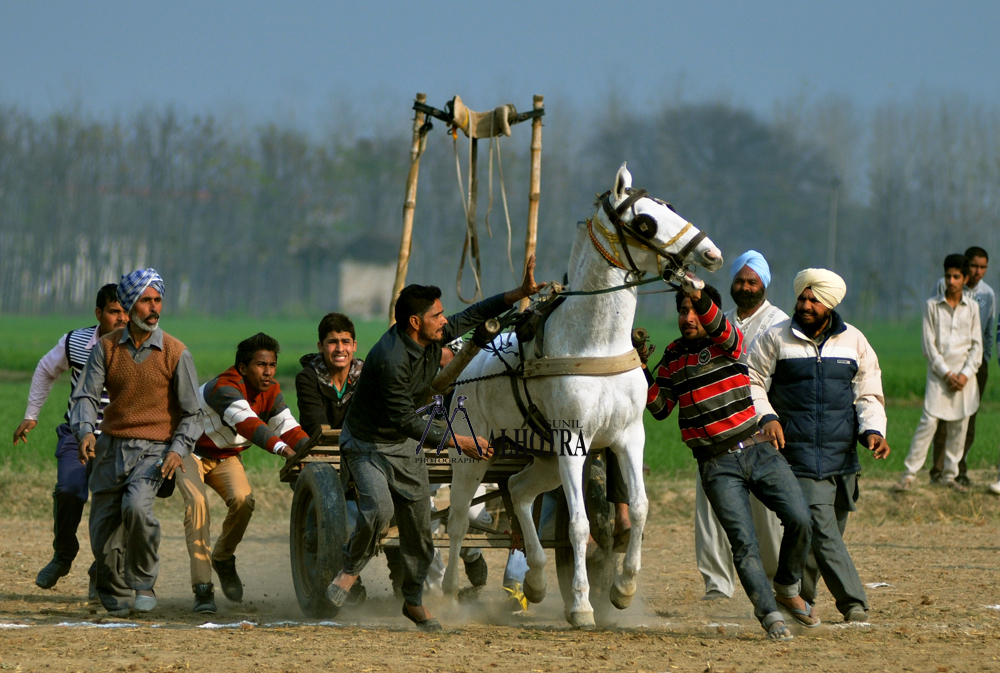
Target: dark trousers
(937, 469)
(830, 502)
(617, 489)
(377, 504)
(69, 497)
(728, 480)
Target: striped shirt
(705, 378)
(70, 353)
(236, 416)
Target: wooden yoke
(409, 205)
(475, 125)
(534, 187)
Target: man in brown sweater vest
(150, 424)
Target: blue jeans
(728, 480)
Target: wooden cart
(319, 520)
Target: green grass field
(23, 340)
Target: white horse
(608, 409)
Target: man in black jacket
(329, 377)
(380, 435)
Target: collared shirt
(52, 365)
(397, 376)
(767, 315)
(87, 395)
(952, 342)
(987, 300)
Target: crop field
(212, 342)
(927, 557)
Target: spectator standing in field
(701, 374)
(329, 377)
(150, 424)
(979, 260)
(817, 389)
(749, 277)
(381, 432)
(241, 406)
(70, 495)
(953, 346)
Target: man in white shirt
(979, 260)
(754, 314)
(70, 495)
(953, 346)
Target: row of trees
(258, 222)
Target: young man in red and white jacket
(242, 406)
(701, 375)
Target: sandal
(428, 625)
(803, 617)
(336, 594)
(778, 631)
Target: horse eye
(645, 225)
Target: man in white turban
(749, 277)
(817, 389)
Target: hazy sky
(270, 60)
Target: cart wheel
(602, 564)
(317, 535)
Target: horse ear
(623, 181)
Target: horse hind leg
(629, 456)
(539, 477)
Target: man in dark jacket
(329, 377)
(379, 441)
(817, 389)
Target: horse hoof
(532, 594)
(620, 599)
(582, 620)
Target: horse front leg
(581, 613)
(539, 477)
(466, 478)
(629, 453)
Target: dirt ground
(931, 553)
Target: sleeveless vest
(77, 354)
(143, 402)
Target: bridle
(639, 232)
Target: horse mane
(578, 246)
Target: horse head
(647, 235)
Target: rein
(627, 230)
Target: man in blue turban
(749, 277)
(150, 424)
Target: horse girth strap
(581, 366)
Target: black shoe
(358, 594)
(50, 574)
(476, 571)
(232, 587)
(963, 480)
(204, 598)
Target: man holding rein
(378, 442)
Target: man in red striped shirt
(241, 406)
(701, 374)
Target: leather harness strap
(582, 366)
